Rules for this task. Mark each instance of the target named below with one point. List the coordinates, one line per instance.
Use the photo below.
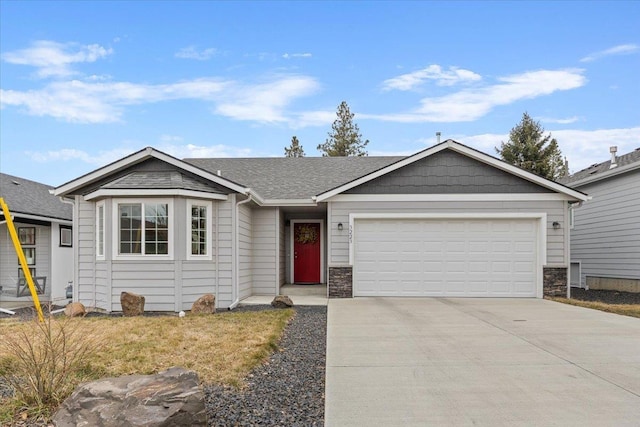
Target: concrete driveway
(493, 362)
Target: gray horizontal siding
(264, 251)
(245, 239)
(166, 285)
(447, 172)
(339, 213)
(606, 233)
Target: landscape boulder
(75, 309)
(132, 304)
(282, 301)
(206, 304)
(169, 398)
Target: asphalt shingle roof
(32, 198)
(600, 168)
(293, 177)
(159, 179)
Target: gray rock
(282, 301)
(169, 398)
(132, 304)
(206, 304)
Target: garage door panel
(493, 258)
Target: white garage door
(445, 257)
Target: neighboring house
(43, 224)
(447, 221)
(605, 239)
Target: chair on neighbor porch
(40, 282)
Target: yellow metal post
(21, 258)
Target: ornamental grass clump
(45, 361)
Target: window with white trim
(100, 230)
(66, 236)
(143, 228)
(199, 229)
(571, 217)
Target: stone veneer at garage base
(341, 282)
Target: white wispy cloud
(100, 102)
(564, 121)
(74, 155)
(296, 55)
(212, 151)
(472, 103)
(53, 59)
(434, 72)
(105, 102)
(623, 49)
(102, 158)
(582, 148)
(265, 102)
(192, 52)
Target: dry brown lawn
(632, 310)
(221, 348)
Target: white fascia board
(138, 157)
(474, 154)
(607, 174)
(104, 171)
(17, 215)
(153, 192)
(461, 197)
(288, 202)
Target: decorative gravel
(608, 297)
(288, 390)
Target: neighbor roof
(293, 178)
(603, 170)
(32, 198)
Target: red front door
(306, 252)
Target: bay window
(143, 227)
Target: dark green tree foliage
(295, 149)
(345, 138)
(531, 150)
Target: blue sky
(85, 83)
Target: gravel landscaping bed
(288, 390)
(608, 297)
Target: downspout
(75, 248)
(236, 273)
(217, 250)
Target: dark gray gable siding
(154, 174)
(447, 172)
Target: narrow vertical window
(198, 230)
(100, 230)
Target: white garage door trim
(541, 243)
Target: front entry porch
(299, 294)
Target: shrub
(45, 362)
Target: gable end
(447, 172)
(154, 174)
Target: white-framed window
(571, 217)
(66, 236)
(199, 223)
(143, 228)
(100, 230)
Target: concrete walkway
(491, 362)
(299, 294)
